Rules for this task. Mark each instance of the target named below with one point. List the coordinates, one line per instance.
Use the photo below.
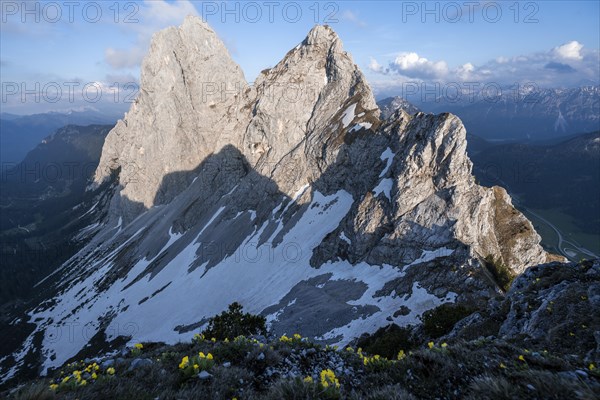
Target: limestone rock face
(188, 108)
(303, 107)
(426, 197)
(310, 124)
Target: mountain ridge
(311, 212)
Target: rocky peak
(188, 108)
(304, 107)
(389, 105)
(321, 35)
(194, 100)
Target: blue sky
(547, 43)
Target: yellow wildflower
(138, 346)
(198, 337)
(308, 379)
(401, 355)
(226, 340)
(444, 345)
(297, 336)
(66, 379)
(110, 371)
(591, 367)
(349, 349)
(521, 357)
(196, 368)
(430, 345)
(83, 382)
(213, 340)
(202, 355)
(328, 377)
(209, 356)
(184, 362)
(53, 386)
(502, 366)
(284, 339)
(94, 376)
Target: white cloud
(350, 16)
(569, 51)
(164, 13)
(414, 66)
(153, 15)
(375, 66)
(567, 65)
(464, 72)
(121, 58)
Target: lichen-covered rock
(555, 306)
(551, 307)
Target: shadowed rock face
(278, 202)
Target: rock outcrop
(547, 307)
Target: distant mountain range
(21, 133)
(391, 104)
(520, 115)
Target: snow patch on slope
(258, 281)
(385, 187)
(359, 126)
(388, 157)
(348, 115)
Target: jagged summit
(321, 35)
(188, 79)
(194, 100)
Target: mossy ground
(249, 369)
